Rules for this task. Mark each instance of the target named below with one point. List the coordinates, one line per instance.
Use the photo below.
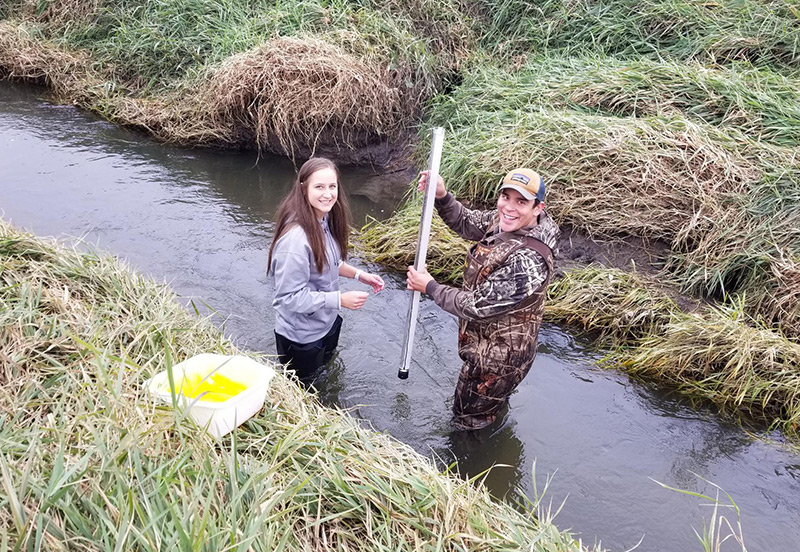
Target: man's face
(515, 211)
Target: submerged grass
(89, 462)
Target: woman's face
(515, 211)
(322, 189)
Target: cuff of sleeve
(431, 287)
(446, 200)
(333, 300)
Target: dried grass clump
(784, 308)
(294, 95)
(66, 73)
(87, 459)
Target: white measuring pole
(422, 243)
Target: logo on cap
(521, 178)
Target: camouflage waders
(498, 351)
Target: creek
(201, 220)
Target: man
(501, 302)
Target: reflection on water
(202, 221)
(495, 456)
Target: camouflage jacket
(501, 303)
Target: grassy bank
(290, 78)
(88, 462)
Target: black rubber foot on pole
(402, 374)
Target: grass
(303, 92)
(725, 524)
(759, 102)
(762, 33)
(394, 244)
(89, 462)
(619, 307)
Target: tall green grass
(758, 102)
(153, 44)
(760, 32)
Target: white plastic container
(220, 418)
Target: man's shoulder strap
(494, 235)
(542, 249)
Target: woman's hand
(418, 280)
(440, 189)
(353, 300)
(371, 279)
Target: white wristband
(358, 275)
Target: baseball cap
(525, 181)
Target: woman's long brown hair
(295, 209)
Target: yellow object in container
(214, 388)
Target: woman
(305, 259)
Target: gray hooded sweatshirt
(306, 302)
